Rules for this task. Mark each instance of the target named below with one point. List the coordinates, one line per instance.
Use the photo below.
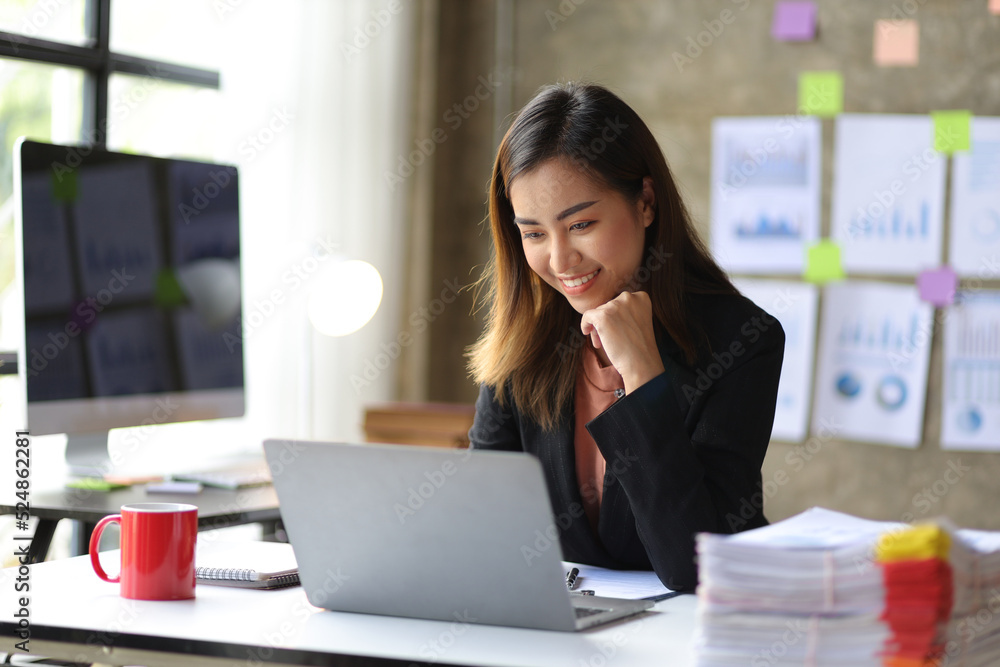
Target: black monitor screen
(131, 272)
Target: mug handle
(95, 541)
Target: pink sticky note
(897, 43)
(937, 286)
(794, 21)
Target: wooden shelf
(429, 424)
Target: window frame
(98, 63)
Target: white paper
(874, 349)
(765, 192)
(816, 528)
(970, 414)
(975, 203)
(794, 305)
(624, 584)
(888, 194)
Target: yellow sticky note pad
(952, 131)
(915, 543)
(821, 93)
(897, 43)
(823, 263)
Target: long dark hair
(531, 342)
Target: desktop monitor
(129, 269)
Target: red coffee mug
(157, 548)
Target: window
(61, 81)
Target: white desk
(76, 616)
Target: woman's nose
(564, 256)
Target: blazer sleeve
(494, 427)
(688, 449)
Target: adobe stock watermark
(900, 12)
(128, 612)
(544, 539)
(433, 649)
(203, 195)
(697, 44)
(34, 20)
(454, 117)
(258, 141)
(922, 502)
(708, 375)
(798, 629)
(257, 313)
(866, 217)
(418, 321)
(370, 30)
(565, 9)
(224, 7)
(418, 496)
(797, 459)
(607, 649)
(299, 612)
(84, 315)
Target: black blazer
(683, 451)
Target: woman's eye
(582, 225)
(531, 235)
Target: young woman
(615, 349)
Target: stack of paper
(828, 589)
(803, 591)
(917, 576)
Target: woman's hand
(623, 327)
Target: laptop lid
(451, 535)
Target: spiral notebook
(261, 565)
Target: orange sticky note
(823, 262)
(897, 43)
(995, 6)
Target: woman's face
(581, 238)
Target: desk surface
(214, 505)
(74, 615)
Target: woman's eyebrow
(575, 208)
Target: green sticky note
(94, 484)
(64, 185)
(951, 131)
(169, 293)
(823, 262)
(821, 93)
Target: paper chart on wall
(970, 414)
(765, 192)
(874, 350)
(975, 204)
(794, 305)
(888, 194)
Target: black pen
(571, 578)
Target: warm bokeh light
(344, 297)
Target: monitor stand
(87, 454)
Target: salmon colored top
(595, 393)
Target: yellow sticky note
(952, 131)
(915, 543)
(897, 43)
(821, 93)
(823, 262)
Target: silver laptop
(423, 532)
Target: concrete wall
(629, 46)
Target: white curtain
(331, 79)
